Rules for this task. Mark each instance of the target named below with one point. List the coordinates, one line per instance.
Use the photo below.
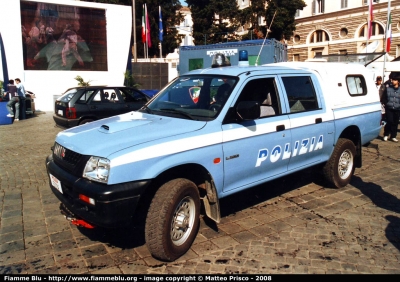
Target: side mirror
(248, 110)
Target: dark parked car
(80, 105)
(30, 103)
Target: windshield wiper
(178, 112)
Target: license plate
(56, 183)
(60, 112)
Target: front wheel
(340, 167)
(173, 219)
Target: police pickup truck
(208, 134)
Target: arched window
(377, 29)
(319, 36)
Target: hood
(106, 136)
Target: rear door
(312, 126)
(105, 103)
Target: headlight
(97, 169)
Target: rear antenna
(268, 31)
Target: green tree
(205, 25)
(284, 23)
(171, 39)
(207, 29)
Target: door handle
(280, 127)
(318, 120)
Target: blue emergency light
(243, 58)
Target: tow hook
(71, 218)
(79, 222)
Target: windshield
(196, 97)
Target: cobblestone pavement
(290, 225)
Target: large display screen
(62, 37)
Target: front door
(254, 150)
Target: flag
(160, 26)
(148, 38)
(143, 27)
(370, 19)
(389, 32)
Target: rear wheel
(173, 219)
(340, 167)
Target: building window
(319, 36)
(243, 4)
(296, 57)
(318, 6)
(343, 4)
(343, 32)
(377, 29)
(317, 52)
(296, 38)
(343, 52)
(367, 1)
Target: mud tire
(340, 167)
(173, 219)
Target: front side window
(131, 95)
(356, 85)
(300, 93)
(199, 97)
(263, 91)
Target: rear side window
(300, 93)
(85, 96)
(68, 95)
(356, 85)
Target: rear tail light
(70, 113)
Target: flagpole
(134, 30)
(387, 25)
(369, 26)
(146, 24)
(145, 31)
(159, 31)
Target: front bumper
(114, 204)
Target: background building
(47, 43)
(340, 27)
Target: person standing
(13, 100)
(391, 100)
(378, 81)
(21, 95)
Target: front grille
(66, 155)
(71, 161)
